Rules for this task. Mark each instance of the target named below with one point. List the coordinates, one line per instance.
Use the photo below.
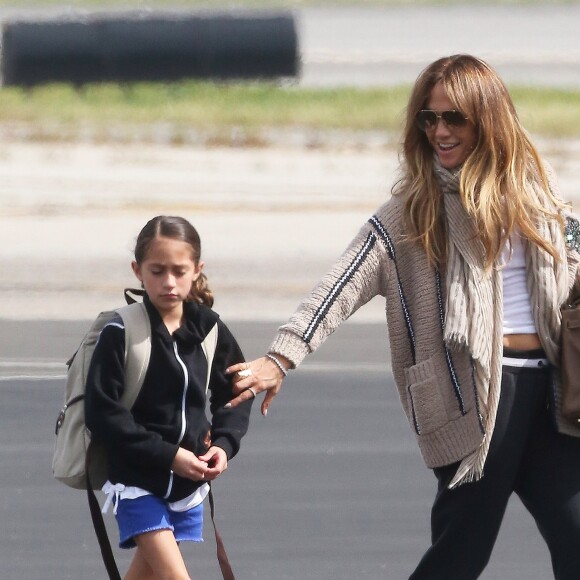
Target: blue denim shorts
(149, 513)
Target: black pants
(527, 456)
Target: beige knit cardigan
(435, 377)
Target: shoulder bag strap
(222, 557)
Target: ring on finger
(245, 373)
(253, 392)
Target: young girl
(159, 454)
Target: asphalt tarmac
(330, 486)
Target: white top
(517, 308)
(118, 491)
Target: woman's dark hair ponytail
(175, 228)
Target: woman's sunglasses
(427, 119)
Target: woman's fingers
(244, 375)
(239, 367)
(242, 383)
(267, 401)
(244, 396)
(253, 378)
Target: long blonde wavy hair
(501, 177)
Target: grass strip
(102, 111)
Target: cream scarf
(474, 306)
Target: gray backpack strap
(208, 346)
(137, 349)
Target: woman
(474, 254)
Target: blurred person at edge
(474, 254)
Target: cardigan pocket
(427, 408)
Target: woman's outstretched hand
(254, 377)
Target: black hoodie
(169, 412)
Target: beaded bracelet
(277, 363)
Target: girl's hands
(186, 464)
(264, 376)
(217, 462)
(203, 468)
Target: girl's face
(453, 144)
(167, 273)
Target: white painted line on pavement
(27, 364)
(6, 378)
(31, 370)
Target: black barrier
(151, 48)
